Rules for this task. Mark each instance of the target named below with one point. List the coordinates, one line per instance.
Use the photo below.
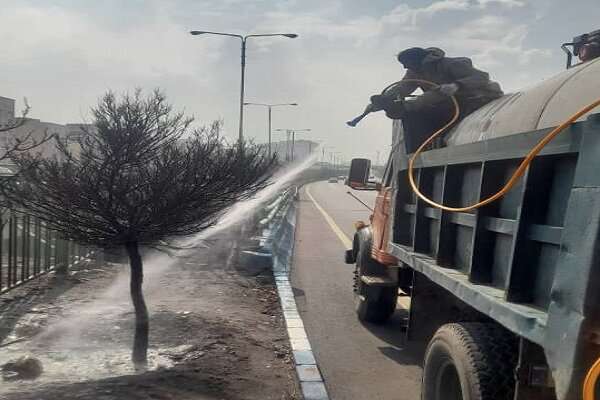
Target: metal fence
(28, 249)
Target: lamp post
(287, 144)
(243, 39)
(333, 155)
(293, 132)
(323, 152)
(270, 106)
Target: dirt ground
(216, 332)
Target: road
(358, 362)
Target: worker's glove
(395, 110)
(381, 102)
(448, 89)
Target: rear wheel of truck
(470, 361)
(374, 304)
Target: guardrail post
(62, 257)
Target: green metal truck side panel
(529, 260)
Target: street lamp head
(293, 104)
(197, 32)
(290, 35)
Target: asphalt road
(361, 362)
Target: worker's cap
(412, 56)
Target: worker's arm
(466, 76)
(403, 88)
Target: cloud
(506, 3)
(408, 18)
(315, 25)
(63, 58)
(155, 47)
(495, 41)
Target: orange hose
(589, 384)
(513, 179)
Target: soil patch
(216, 332)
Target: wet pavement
(358, 361)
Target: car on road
(333, 179)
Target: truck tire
(470, 361)
(374, 304)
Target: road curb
(281, 236)
(309, 375)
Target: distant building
(68, 133)
(7, 111)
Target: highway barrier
(278, 236)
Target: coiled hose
(589, 384)
(593, 374)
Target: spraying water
(242, 209)
(66, 335)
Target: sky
(64, 54)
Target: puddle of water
(77, 364)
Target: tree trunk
(140, 341)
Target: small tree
(139, 180)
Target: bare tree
(139, 180)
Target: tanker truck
(506, 295)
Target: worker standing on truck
(455, 76)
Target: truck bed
(529, 260)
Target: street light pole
(243, 62)
(293, 132)
(333, 156)
(241, 127)
(270, 107)
(294, 139)
(323, 152)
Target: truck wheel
(374, 304)
(470, 361)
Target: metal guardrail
(29, 249)
(277, 231)
(272, 209)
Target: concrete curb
(311, 381)
(280, 237)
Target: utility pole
(270, 107)
(293, 133)
(242, 89)
(287, 145)
(293, 143)
(243, 64)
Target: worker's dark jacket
(475, 86)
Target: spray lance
(372, 107)
(387, 97)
